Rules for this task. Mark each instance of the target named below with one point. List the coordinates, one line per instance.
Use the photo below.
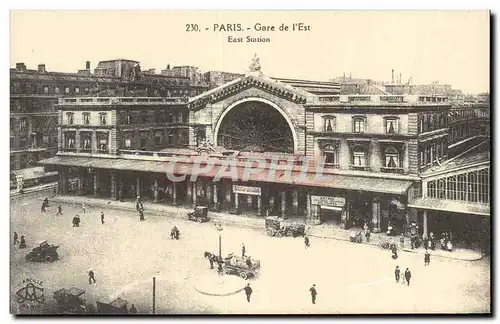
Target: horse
(211, 257)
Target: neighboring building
(218, 78)
(33, 94)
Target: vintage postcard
(250, 162)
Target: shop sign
(246, 190)
(328, 201)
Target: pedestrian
(248, 292)
(408, 276)
(243, 250)
(141, 215)
(314, 293)
(402, 241)
(83, 207)
(132, 310)
(22, 244)
(306, 241)
(91, 277)
(46, 201)
(397, 273)
(59, 210)
(16, 240)
(367, 235)
(427, 258)
(102, 218)
(249, 263)
(43, 207)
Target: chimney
(400, 75)
(392, 76)
(41, 68)
(369, 82)
(87, 65)
(152, 71)
(20, 67)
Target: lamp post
(219, 228)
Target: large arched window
(392, 158)
(431, 189)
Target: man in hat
(16, 238)
(243, 250)
(132, 310)
(248, 292)
(91, 277)
(314, 293)
(306, 241)
(408, 276)
(397, 273)
(102, 218)
(59, 210)
(427, 258)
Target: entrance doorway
(330, 215)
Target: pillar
(259, 205)
(120, 190)
(271, 203)
(228, 194)
(138, 186)
(96, 182)
(81, 181)
(195, 193)
(174, 193)
(94, 142)
(236, 201)
(376, 215)
(424, 216)
(113, 185)
(155, 190)
(209, 189)
(249, 201)
(189, 190)
(295, 201)
(283, 204)
(215, 194)
(308, 205)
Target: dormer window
(391, 125)
(329, 124)
(86, 118)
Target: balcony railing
(331, 166)
(359, 167)
(381, 99)
(391, 170)
(121, 101)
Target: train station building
(258, 145)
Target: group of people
(22, 243)
(406, 276)
(175, 233)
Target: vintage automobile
(276, 226)
(200, 214)
(117, 306)
(243, 267)
(43, 252)
(72, 301)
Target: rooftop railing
(122, 100)
(380, 99)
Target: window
(329, 155)
(391, 125)
(358, 157)
(86, 118)
(103, 145)
(359, 125)
(144, 118)
(170, 118)
(70, 117)
(128, 143)
(86, 143)
(66, 90)
(70, 142)
(143, 141)
(56, 90)
(329, 124)
(391, 158)
(12, 142)
(77, 90)
(46, 90)
(22, 124)
(102, 117)
(12, 124)
(128, 119)
(158, 137)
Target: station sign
(246, 190)
(328, 201)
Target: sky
(451, 47)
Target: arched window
(330, 155)
(441, 189)
(359, 156)
(329, 124)
(391, 158)
(431, 189)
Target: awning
(240, 173)
(337, 209)
(33, 173)
(454, 206)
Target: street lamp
(218, 226)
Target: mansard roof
(275, 87)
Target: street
(126, 254)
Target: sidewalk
(161, 210)
(335, 232)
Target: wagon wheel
(28, 257)
(269, 231)
(47, 258)
(199, 220)
(289, 233)
(243, 275)
(227, 271)
(279, 234)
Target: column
(295, 201)
(308, 205)
(94, 142)
(215, 194)
(249, 201)
(120, 190)
(259, 205)
(424, 214)
(209, 189)
(174, 193)
(113, 185)
(81, 181)
(189, 190)
(376, 215)
(228, 193)
(195, 193)
(236, 201)
(271, 203)
(155, 190)
(138, 186)
(96, 182)
(283, 204)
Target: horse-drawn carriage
(243, 267)
(276, 226)
(43, 252)
(72, 301)
(200, 214)
(117, 306)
